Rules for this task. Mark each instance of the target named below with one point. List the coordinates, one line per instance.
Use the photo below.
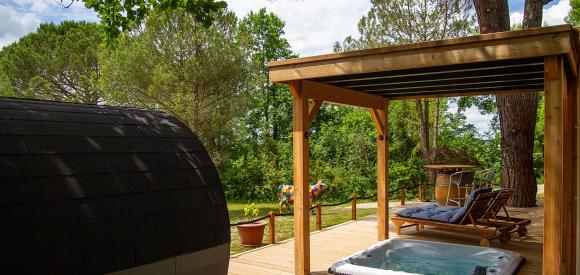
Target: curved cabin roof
(94, 189)
(493, 62)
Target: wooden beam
(383, 173)
(324, 92)
(301, 186)
(428, 44)
(573, 53)
(378, 123)
(313, 111)
(489, 47)
(555, 87)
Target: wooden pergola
(508, 62)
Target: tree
(175, 64)
(261, 158)
(412, 21)
(123, 15)
(57, 62)
(574, 15)
(517, 112)
(265, 31)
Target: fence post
(420, 187)
(402, 195)
(272, 227)
(423, 191)
(353, 207)
(318, 216)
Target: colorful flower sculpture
(286, 194)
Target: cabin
(97, 189)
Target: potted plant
(251, 234)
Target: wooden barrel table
(442, 190)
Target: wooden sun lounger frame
(498, 204)
(470, 223)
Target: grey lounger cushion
(447, 214)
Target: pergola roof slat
(458, 84)
(466, 91)
(502, 66)
(484, 75)
(446, 81)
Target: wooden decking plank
(330, 245)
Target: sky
(312, 26)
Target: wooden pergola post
(569, 220)
(303, 114)
(301, 200)
(380, 117)
(554, 155)
(577, 165)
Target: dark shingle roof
(94, 189)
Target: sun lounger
(498, 204)
(462, 219)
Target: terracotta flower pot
(251, 234)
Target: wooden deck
(333, 244)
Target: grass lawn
(332, 215)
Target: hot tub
(401, 256)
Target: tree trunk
(517, 112)
(517, 116)
(533, 13)
(436, 122)
(424, 128)
(492, 15)
(423, 116)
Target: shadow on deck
(334, 243)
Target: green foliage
(445, 155)
(574, 15)
(490, 155)
(56, 62)
(176, 64)
(255, 171)
(251, 211)
(261, 156)
(391, 22)
(124, 15)
(344, 152)
(414, 127)
(271, 102)
(538, 156)
(213, 76)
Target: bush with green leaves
(251, 211)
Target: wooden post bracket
(379, 123)
(313, 109)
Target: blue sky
(326, 22)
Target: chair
(483, 178)
(459, 180)
(462, 219)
